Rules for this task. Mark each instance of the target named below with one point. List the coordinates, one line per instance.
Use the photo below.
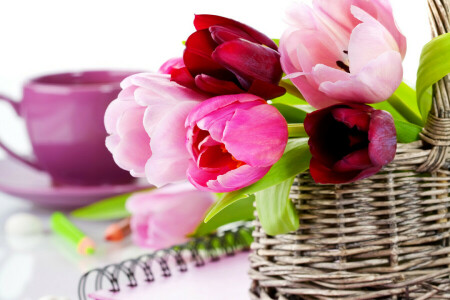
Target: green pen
(62, 226)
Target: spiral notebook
(212, 267)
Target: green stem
(291, 89)
(396, 101)
(296, 130)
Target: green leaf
(407, 132)
(276, 211)
(291, 90)
(293, 113)
(276, 41)
(107, 209)
(404, 102)
(295, 160)
(239, 211)
(434, 65)
(289, 99)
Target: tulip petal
(322, 73)
(376, 82)
(313, 96)
(381, 10)
(206, 21)
(358, 160)
(266, 90)
(154, 115)
(368, 41)
(385, 16)
(183, 77)
(213, 85)
(215, 103)
(127, 93)
(194, 137)
(169, 159)
(197, 56)
(256, 136)
(316, 48)
(171, 64)
(315, 119)
(301, 16)
(216, 121)
(297, 58)
(382, 137)
(114, 112)
(324, 175)
(132, 150)
(164, 217)
(208, 142)
(249, 60)
(237, 179)
(158, 89)
(325, 42)
(352, 117)
(199, 177)
(221, 34)
(316, 124)
(339, 11)
(214, 158)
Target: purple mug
(64, 119)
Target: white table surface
(46, 265)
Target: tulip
(343, 51)
(165, 217)
(227, 57)
(146, 127)
(172, 64)
(349, 142)
(233, 141)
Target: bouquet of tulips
(240, 114)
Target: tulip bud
(349, 142)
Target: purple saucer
(21, 181)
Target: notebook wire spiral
(198, 251)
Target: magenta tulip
(349, 142)
(146, 127)
(165, 217)
(233, 141)
(227, 57)
(343, 51)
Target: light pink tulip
(233, 141)
(146, 127)
(343, 51)
(164, 217)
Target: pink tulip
(164, 217)
(233, 141)
(171, 64)
(146, 127)
(343, 50)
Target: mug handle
(16, 106)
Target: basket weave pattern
(385, 237)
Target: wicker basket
(386, 237)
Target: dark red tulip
(349, 142)
(227, 57)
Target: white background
(58, 35)
(48, 36)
